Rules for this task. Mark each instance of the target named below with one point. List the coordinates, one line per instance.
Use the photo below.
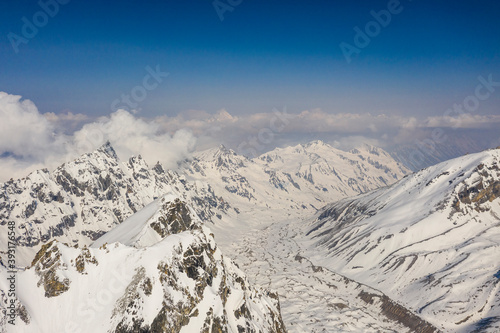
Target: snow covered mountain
(430, 241)
(83, 199)
(159, 271)
(299, 179)
(245, 202)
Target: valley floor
(313, 299)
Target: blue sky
(264, 54)
(270, 74)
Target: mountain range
(325, 240)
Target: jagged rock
(47, 263)
(176, 219)
(398, 313)
(85, 257)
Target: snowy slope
(176, 281)
(430, 241)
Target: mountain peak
(315, 143)
(108, 150)
(223, 149)
(161, 218)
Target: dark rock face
(398, 313)
(20, 310)
(46, 263)
(84, 259)
(162, 323)
(238, 185)
(351, 212)
(93, 235)
(176, 219)
(486, 189)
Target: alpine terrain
(430, 241)
(159, 271)
(300, 239)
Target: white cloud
(68, 116)
(30, 140)
(465, 121)
(24, 132)
(267, 130)
(66, 121)
(130, 136)
(259, 132)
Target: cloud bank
(255, 133)
(30, 140)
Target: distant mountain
(431, 241)
(429, 151)
(301, 178)
(159, 271)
